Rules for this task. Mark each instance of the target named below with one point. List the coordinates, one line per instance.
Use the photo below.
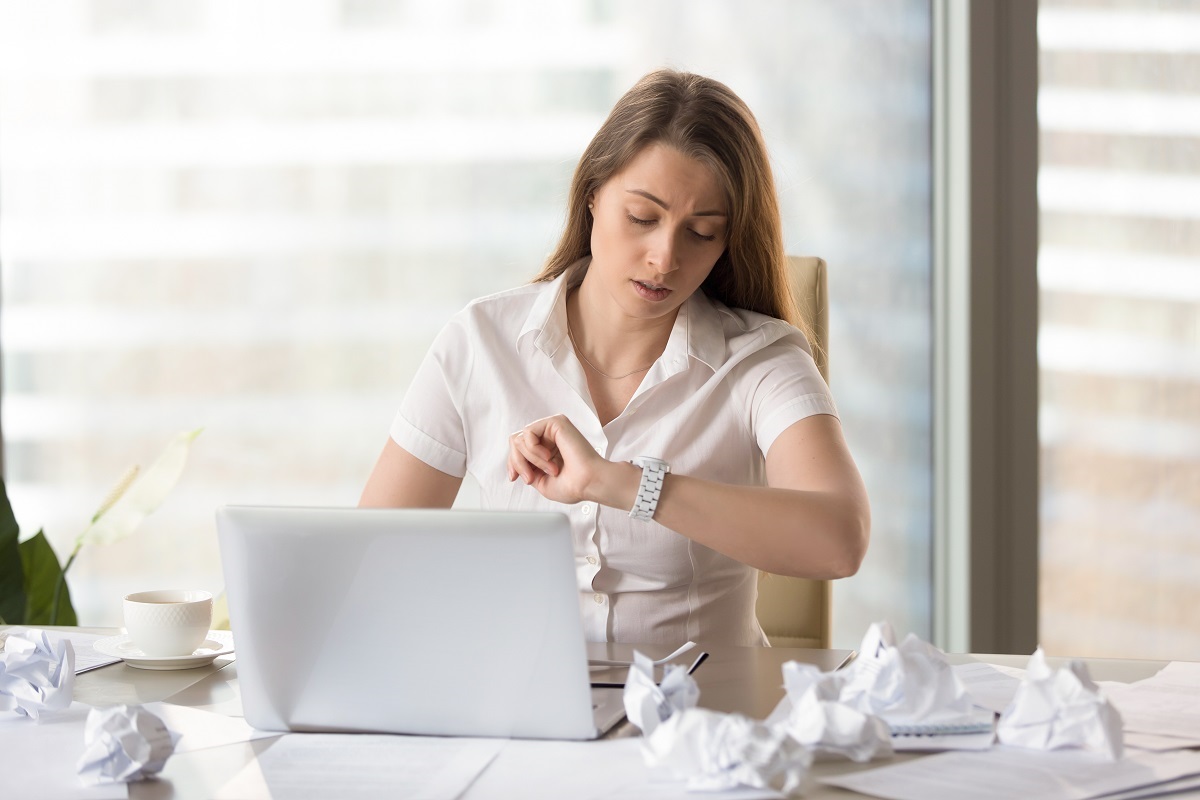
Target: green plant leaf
(41, 578)
(12, 577)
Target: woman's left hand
(552, 456)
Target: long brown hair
(702, 119)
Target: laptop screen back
(407, 621)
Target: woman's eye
(704, 238)
(639, 220)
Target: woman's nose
(662, 252)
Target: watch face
(649, 462)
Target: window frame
(986, 481)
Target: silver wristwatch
(654, 470)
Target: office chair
(795, 612)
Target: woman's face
(658, 228)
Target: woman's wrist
(616, 485)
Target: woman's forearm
(811, 534)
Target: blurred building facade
(1119, 341)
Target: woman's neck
(613, 343)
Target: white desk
(746, 680)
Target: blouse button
(586, 509)
(591, 560)
(599, 598)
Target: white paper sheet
(1158, 790)
(317, 766)
(1003, 773)
(199, 730)
(1185, 672)
(960, 741)
(1167, 704)
(1151, 741)
(990, 686)
(87, 658)
(584, 771)
(40, 757)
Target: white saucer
(218, 643)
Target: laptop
(442, 623)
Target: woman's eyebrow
(666, 207)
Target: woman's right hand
(552, 456)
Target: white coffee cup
(168, 622)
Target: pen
(696, 664)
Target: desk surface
(734, 679)
(746, 680)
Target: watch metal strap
(653, 472)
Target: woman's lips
(650, 291)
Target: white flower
(135, 499)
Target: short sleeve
(429, 423)
(786, 387)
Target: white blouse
(728, 382)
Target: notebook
(444, 623)
(977, 720)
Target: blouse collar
(697, 332)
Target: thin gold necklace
(579, 352)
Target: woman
(654, 334)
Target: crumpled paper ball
(708, 749)
(905, 684)
(36, 674)
(123, 744)
(848, 713)
(813, 714)
(648, 704)
(714, 751)
(1061, 708)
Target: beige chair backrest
(795, 612)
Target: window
(254, 217)
(1119, 339)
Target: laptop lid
(407, 621)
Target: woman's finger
(532, 443)
(530, 446)
(518, 465)
(521, 465)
